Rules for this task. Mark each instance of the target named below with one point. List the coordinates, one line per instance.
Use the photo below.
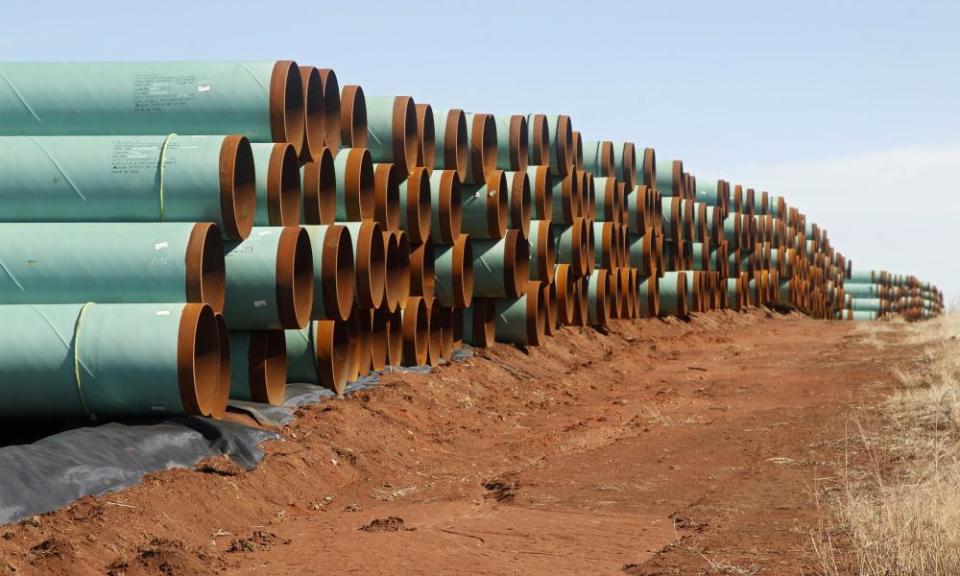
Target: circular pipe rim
(387, 196)
(353, 117)
(205, 273)
(331, 107)
(238, 187)
(287, 114)
(427, 136)
(294, 273)
(198, 360)
(314, 113)
(320, 189)
(337, 273)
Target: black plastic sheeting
(49, 465)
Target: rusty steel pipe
(353, 117)
(422, 272)
(386, 186)
(356, 185)
(398, 269)
(426, 138)
(452, 140)
(480, 323)
(331, 108)
(319, 181)
(416, 205)
(453, 266)
(542, 185)
(314, 114)
(446, 215)
(485, 207)
(482, 138)
(520, 200)
(512, 143)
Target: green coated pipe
(512, 142)
(673, 294)
(701, 256)
(500, 267)
(709, 192)
(322, 353)
(453, 273)
(521, 320)
(129, 179)
(598, 159)
(355, 182)
(61, 263)
(670, 178)
(731, 230)
(105, 361)
(279, 193)
(334, 283)
(864, 315)
(269, 280)
(392, 130)
(642, 253)
(262, 100)
(734, 293)
(572, 245)
(867, 304)
(862, 290)
(258, 366)
(485, 207)
(864, 276)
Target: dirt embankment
(659, 448)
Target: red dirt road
(660, 448)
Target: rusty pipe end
(238, 187)
(427, 137)
(267, 364)
(450, 208)
(335, 353)
(398, 264)
(331, 107)
(520, 201)
(338, 274)
(205, 268)
(386, 178)
(199, 360)
(353, 117)
(418, 204)
(219, 406)
(434, 333)
(463, 271)
(422, 272)
(416, 326)
(287, 113)
(405, 133)
(370, 266)
(294, 277)
(283, 186)
(314, 114)
(320, 189)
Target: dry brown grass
(880, 519)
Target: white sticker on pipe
(163, 312)
(203, 88)
(259, 303)
(161, 245)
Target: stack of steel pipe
(880, 295)
(212, 230)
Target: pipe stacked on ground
(361, 232)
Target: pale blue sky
(848, 108)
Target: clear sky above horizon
(849, 109)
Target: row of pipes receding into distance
(177, 234)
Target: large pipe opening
(331, 108)
(205, 269)
(320, 189)
(287, 115)
(198, 360)
(238, 187)
(294, 277)
(313, 133)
